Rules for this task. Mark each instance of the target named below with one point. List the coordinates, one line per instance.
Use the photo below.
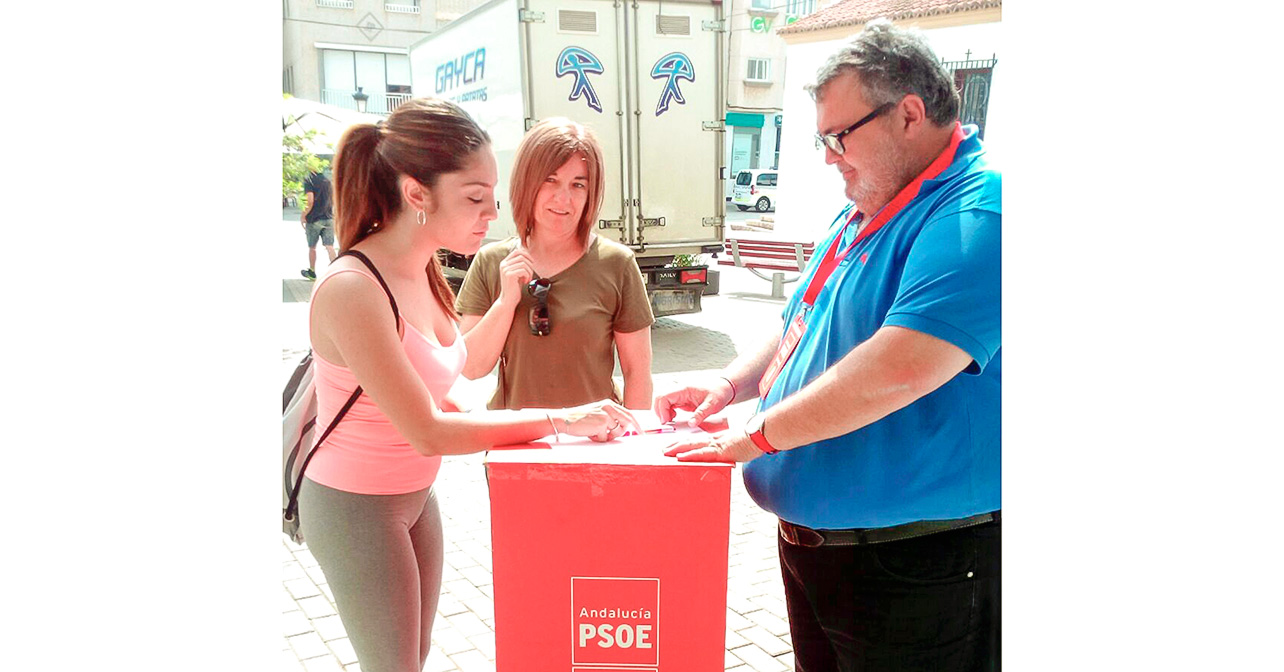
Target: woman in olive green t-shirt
(558, 351)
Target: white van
(755, 188)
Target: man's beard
(885, 175)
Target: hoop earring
(421, 217)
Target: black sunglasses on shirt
(538, 319)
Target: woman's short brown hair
(546, 147)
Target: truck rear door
(575, 56)
(675, 84)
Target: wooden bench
(772, 255)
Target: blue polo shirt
(934, 268)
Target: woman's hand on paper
(601, 421)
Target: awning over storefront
(744, 119)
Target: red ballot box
(608, 558)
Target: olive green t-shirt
(601, 293)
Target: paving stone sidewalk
(464, 632)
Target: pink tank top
(365, 454)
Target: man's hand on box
(732, 445)
(702, 399)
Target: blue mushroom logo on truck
(580, 63)
(676, 66)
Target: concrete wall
(811, 192)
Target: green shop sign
(744, 120)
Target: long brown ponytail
(423, 138)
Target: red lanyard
(832, 257)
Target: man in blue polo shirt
(876, 440)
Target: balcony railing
(448, 10)
(378, 103)
(401, 7)
(336, 4)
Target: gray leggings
(382, 556)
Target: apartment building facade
(331, 49)
(756, 81)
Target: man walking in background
(317, 219)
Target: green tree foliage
(297, 161)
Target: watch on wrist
(753, 429)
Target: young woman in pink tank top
(420, 181)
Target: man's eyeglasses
(834, 141)
(538, 319)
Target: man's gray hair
(891, 63)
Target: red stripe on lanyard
(830, 261)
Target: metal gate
(972, 81)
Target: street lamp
(361, 99)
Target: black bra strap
(370, 265)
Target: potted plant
(683, 260)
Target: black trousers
(927, 603)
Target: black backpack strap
(298, 483)
(296, 378)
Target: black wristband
(733, 388)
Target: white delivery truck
(646, 76)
